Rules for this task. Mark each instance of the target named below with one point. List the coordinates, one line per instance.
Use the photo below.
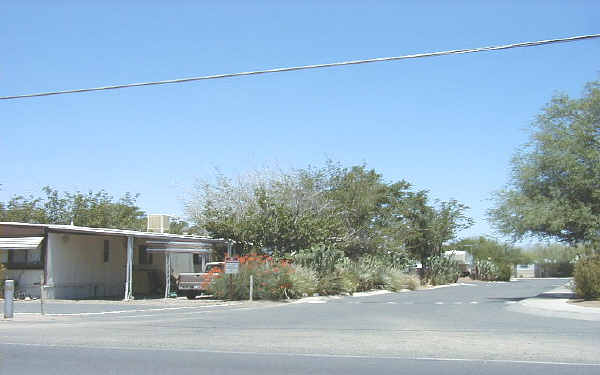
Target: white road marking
(439, 303)
(474, 302)
(287, 354)
(133, 311)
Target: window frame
(10, 264)
(106, 251)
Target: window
(145, 256)
(106, 250)
(24, 258)
(197, 259)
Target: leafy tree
(555, 253)
(178, 226)
(370, 209)
(98, 210)
(483, 249)
(429, 227)
(554, 188)
(349, 209)
(269, 211)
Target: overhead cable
(306, 67)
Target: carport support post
(167, 273)
(9, 290)
(251, 287)
(129, 269)
(42, 294)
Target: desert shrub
(490, 271)
(504, 272)
(350, 282)
(321, 259)
(398, 280)
(272, 280)
(331, 284)
(304, 282)
(317, 270)
(486, 270)
(371, 272)
(587, 277)
(441, 270)
(366, 272)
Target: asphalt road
(464, 329)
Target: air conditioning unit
(158, 223)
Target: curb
(554, 303)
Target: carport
(169, 248)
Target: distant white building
(463, 258)
(81, 262)
(525, 270)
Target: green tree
(349, 209)
(483, 248)
(369, 208)
(266, 211)
(98, 210)
(429, 226)
(554, 188)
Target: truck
(192, 284)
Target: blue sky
(447, 124)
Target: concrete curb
(554, 303)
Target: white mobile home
(81, 262)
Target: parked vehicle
(192, 285)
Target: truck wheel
(191, 295)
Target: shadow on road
(506, 299)
(553, 295)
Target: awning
(179, 247)
(20, 243)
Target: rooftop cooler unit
(158, 223)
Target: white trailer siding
(27, 282)
(76, 268)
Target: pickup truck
(192, 285)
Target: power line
(306, 67)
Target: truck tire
(191, 295)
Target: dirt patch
(582, 303)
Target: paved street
(463, 329)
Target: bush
(321, 259)
(398, 280)
(441, 270)
(587, 277)
(331, 284)
(272, 280)
(304, 282)
(317, 270)
(504, 272)
(490, 271)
